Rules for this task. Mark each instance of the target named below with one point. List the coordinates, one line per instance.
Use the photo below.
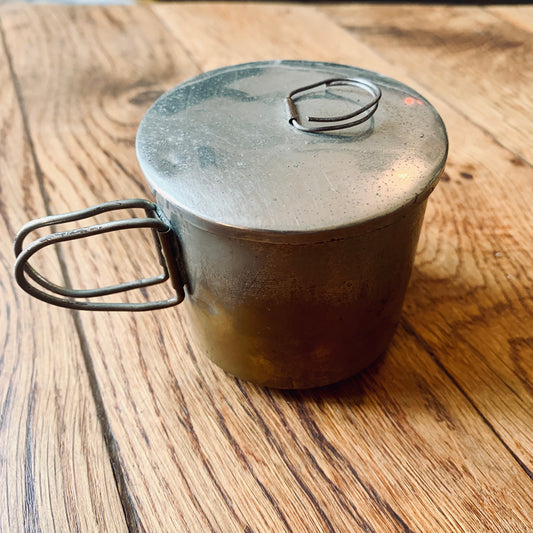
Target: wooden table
(113, 422)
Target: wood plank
(470, 58)
(519, 16)
(55, 473)
(398, 448)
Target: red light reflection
(409, 100)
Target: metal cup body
(297, 314)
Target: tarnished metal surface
(295, 316)
(221, 148)
(298, 246)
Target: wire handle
(164, 238)
(343, 121)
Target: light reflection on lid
(221, 149)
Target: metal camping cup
(289, 200)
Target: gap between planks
(427, 348)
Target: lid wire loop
(362, 114)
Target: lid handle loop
(360, 115)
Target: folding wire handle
(360, 115)
(164, 239)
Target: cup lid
(232, 147)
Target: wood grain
(433, 438)
(468, 56)
(520, 16)
(55, 473)
(472, 275)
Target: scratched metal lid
(235, 147)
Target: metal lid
(227, 147)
